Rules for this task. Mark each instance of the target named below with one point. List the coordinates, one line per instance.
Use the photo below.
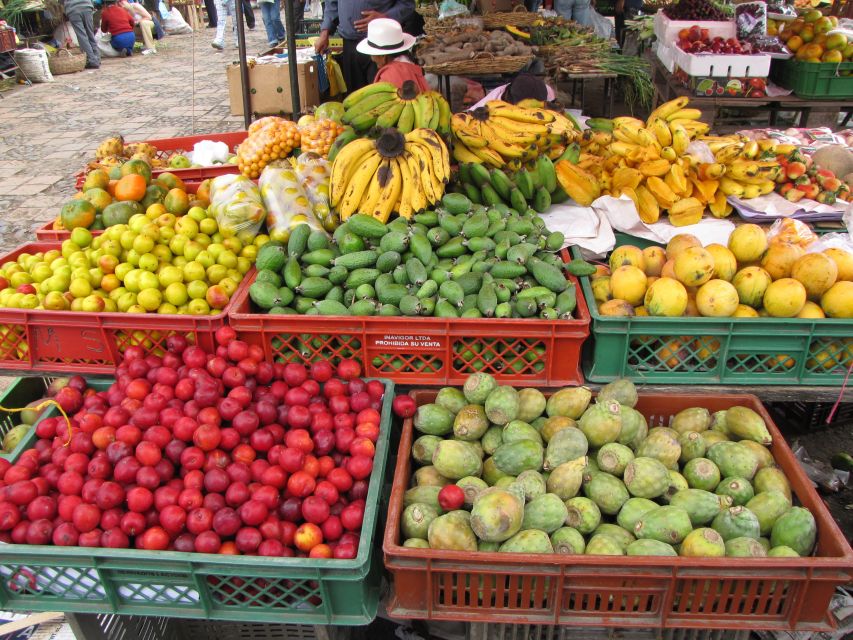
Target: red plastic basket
(582, 590)
(48, 234)
(425, 350)
(168, 146)
(38, 340)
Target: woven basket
(65, 61)
(482, 64)
(428, 10)
(518, 17)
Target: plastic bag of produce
(286, 201)
(237, 206)
(314, 172)
(270, 139)
(791, 231)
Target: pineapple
(110, 147)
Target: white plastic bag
(602, 26)
(105, 46)
(65, 33)
(175, 23)
(33, 63)
(208, 152)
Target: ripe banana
(368, 90)
(357, 185)
(668, 108)
(345, 165)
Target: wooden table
(668, 88)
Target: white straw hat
(384, 37)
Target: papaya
(77, 213)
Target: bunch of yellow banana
(382, 105)
(748, 167)
(392, 174)
(505, 135)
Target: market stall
(529, 352)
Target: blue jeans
(577, 10)
(123, 41)
(271, 14)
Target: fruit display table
(667, 88)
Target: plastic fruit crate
(38, 340)
(18, 395)
(702, 350)
(48, 233)
(425, 350)
(667, 30)
(722, 66)
(208, 586)
(183, 145)
(815, 79)
(586, 590)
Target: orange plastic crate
(425, 350)
(38, 340)
(167, 146)
(595, 591)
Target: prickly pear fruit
(570, 402)
(633, 510)
(604, 545)
(650, 548)
(736, 522)
(416, 520)
(565, 445)
(567, 540)
(746, 424)
(677, 483)
(452, 533)
(492, 439)
(738, 489)
(601, 423)
(622, 536)
(772, 479)
(666, 524)
(471, 486)
(692, 420)
(582, 514)
(425, 495)
(470, 423)
(692, 446)
(455, 459)
(424, 447)
(528, 541)
(733, 459)
(565, 480)
(701, 506)
(478, 387)
(745, 548)
(519, 430)
(502, 405)
(703, 543)
(782, 552)
(415, 543)
(451, 399)
(795, 529)
(552, 426)
(531, 404)
(433, 419)
(646, 477)
(514, 457)
(621, 390)
(661, 443)
(765, 458)
(768, 507)
(701, 473)
(614, 457)
(546, 512)
(607, 491)
(713, 437)
(488, 547)
(429, 476)
(634, 426)
(497, 515)
(719, 424)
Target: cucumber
(331, 308)
(357, 260)
(362, 276)
(297, 243)
(387, 261)
(366, 226)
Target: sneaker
(92, 66)
(217, 45)
(147, 52)
(128, 53)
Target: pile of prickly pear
(500, 469)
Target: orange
(111, 187)
(131, 187)
(77, 213)
(203, 192)
(170, 181)
(794, 43)
(177, 202)
(832, 56)
(138, 167)
(807, 34)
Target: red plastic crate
(582, 590)
(48, 234)
(425, 350)
(168, 146)
(38, 340)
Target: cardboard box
(723, 87)
(269, 88)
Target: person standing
(80, 14)
(271, 14)
(578, 10)
(351, 18)
(224, 9)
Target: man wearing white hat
(386, 44)
(351, 17)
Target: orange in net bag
(791, 231)
(270, 139)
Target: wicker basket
(518, 17)
(428, 10)
(66, 61)
(482, 64)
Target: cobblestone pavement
(48, 131)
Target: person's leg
(210, 7)
(349, 64)
(124, 42)
(266, 16)
(146, 27)
(249, 13)
(221, 21)
(278, 27)
(581, 12)
(81, 22)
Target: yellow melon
(748, 242)
(717, 299)
(780, 258)
(694, 266)
(666, 297)
(817, 271)
(629, 283)
(785, 298)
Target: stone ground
(49, 131)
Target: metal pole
(290, 26)
(244, 67)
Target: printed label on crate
(56, 343)
(407, 342)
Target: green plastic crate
(814, 79)
(197, 585)
(767, 351)
(19, 394)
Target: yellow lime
(81, 236)
(149, 262)
(216, 272)
(148, 280)
(198, 307)
(197, 289)
(176, 294)
(149, 299)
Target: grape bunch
(695, 10)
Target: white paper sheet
(582, 226)
(775, 206)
